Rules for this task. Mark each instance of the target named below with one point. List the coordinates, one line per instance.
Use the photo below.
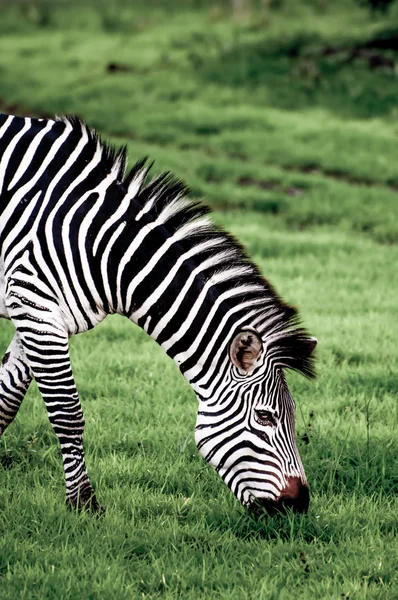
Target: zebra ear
(245, 349)
(311, 344)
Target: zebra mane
(166, 196)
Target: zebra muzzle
(295, 497)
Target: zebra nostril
(295, 495)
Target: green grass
(296, 150)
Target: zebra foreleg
(15, 377)
(47, 353)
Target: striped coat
(81, 239)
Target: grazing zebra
(80, 239)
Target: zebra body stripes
(80, 239)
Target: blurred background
(283, 116)
(256, 103)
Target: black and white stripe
(79, 239)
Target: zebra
(80, 238)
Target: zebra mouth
(297, 502)
(260, 507)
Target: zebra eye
(265, 417)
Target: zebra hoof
(85, 501)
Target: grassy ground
(280, 119)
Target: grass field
(280, 120)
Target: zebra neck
(196, 330)
(188, 285)
(192, 313)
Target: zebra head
(246, 427)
